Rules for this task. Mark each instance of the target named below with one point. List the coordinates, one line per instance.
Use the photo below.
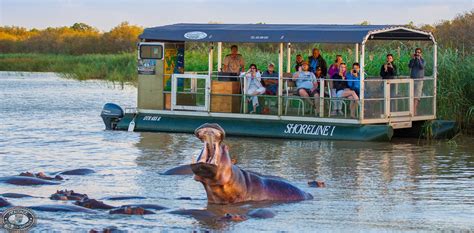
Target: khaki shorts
(418, 87)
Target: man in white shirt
(234, 62)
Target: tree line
(77, 39)
(81, 38)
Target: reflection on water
(51, 124)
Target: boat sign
(196, 35)
(307, 129)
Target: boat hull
(268, 128)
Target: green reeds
(116, 67)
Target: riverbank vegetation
(83, 52)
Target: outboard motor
(111, 115)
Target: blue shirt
(417, 67)
(353, 82)
(305, 80)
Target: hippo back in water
(4, 203)
(62, 208)
(26, 180)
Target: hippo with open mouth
(227, 183)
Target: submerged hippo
(41, 175)
(26, 180)
(131, 211)
(226, 183)
(93, 204)
(66, 195)
(77, 172)
(15, 195)
(4, 203)
(62, 208)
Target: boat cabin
(175, 98)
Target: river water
(51, 124)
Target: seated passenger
(307, 85)
(270, 80)
(343, 91)
(334, 68)
(253, 86)
(388, 69)
(299, 62)
(353, 78)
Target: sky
(106, 14)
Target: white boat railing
(386, 100)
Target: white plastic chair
(290, 95)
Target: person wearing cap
(307, 85)
(270, 80)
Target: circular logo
(195, 35)
(18, 219)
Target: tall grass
(116, 67)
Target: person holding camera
(417, 72)
(388, 69)
(353, 78)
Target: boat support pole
(288, 58)
(280, 77)
(208, 86)
(435, 73)
(357, 52)
(362, 82)
(219, 56)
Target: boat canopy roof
(282, 33)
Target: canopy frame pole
(219, 56)
(362, 82)
(280, 77)
(288, 58)
(435, 73)
(208, 81)
(357, 52)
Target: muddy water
(52, 124)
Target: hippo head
(214, 161)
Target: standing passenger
(388, 69)
(417, 72)
(316, 61)
(234, 62)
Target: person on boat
(388, 70)
(316, 60)
(298, 62)
(417, 72)
(334, 68)
(234, 62)
(307, 85)
(253, 86)
(353, 78)
(270, 80)
(343, 91)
